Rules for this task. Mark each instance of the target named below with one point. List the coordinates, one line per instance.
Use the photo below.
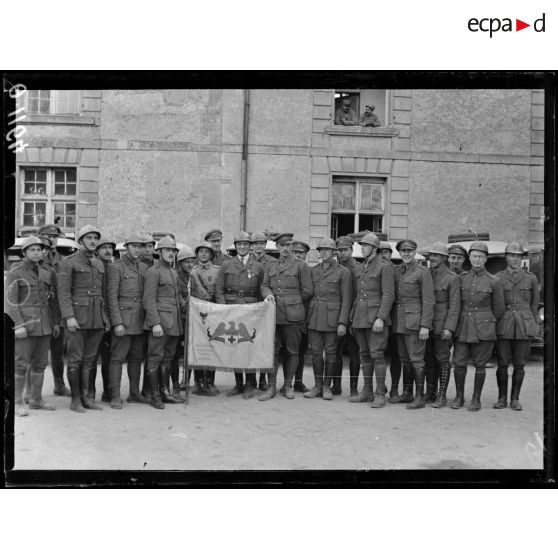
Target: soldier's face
(367, 250)
(105, 252)
(242, 248)
(477, 259)
(204, 255)
(216, 244)
(456, 262)
(346, 106)
(45, 250)
(53, 238)
(146, 250)
(300, 255)
(133, 249)
(188, 264)
(386, 254)
(167, 254)
(285, 248)
(344, 254)
(34, 253)
(436, 260)
(514, 260)
(407, 255)
(326, 254)
(90, 241)
(258, 247)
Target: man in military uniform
(202, 285)
(163, 304)
(241, 281)
(370, 317)
(328, 316)
(346, 116)
(414, 312)
(215, 238)
(369, 118)
(344, 247)
(29, 288)
(456, 258)
(516, 299)
(447, 298)
(476, 332)
(124, 300)
(53, 259)
(291, 285)
(81, 288)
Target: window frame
(387, 117)
(53, 99)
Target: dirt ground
(232, 433)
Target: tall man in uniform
(241, 281)
(447, 298)
(414, 301)
(29, 288)
(147, 250)
(344, 246)
(81, 288)
(215, 238)
(124, 300)
(370, 316)
(476, 331)
(328, 316)
(291, 285)
(516, 298)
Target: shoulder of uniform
(527, 272)
(217, 266)
(492, 276)
(452, 273)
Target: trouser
(31, 352)
(160, 350)
(372, 348)
(411, 349)
(104, 354)
(321, 341)
(126, 348)
(57, 357)
(82, 347)
(512, 351)
(348, 340)
(303, 347)
(437, 357)
(394, 361)
(480, 353)
(288, 337)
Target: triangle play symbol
(519, 25)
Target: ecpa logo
(492, 25)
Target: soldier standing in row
(215, 239)
(162, 303)
(344, 246)
(124, 300)
(516, 300)
(241, 281)
(370, 316)
(476, 332)
(456, 258)
(328, 316)
(291, 285)
(29, 288)
(147, 250)
(414, 312)
(447, 306)
(81, 288)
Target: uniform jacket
(331, 302)
(26, 298)
(81, 285)
(53, 259)
(202, 281)
(124, 294)
(162, 300)
(148, 262)
(477, 321)
(352, 265)
(373, 290)
(53, 295)
(220, 257)
(516, 300)
(291, 284)
(264, 259)
(414, 298)
(447, 299)
(241, 284)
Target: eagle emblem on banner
(231, 334)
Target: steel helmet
(514, 248)
(86, 230)
(478, 245)
(438, 248)
(185, 253)
(204, 244)
(326, 243)
(167, 242)
(242, 237)
(147, 238)
(30, 241)
(106, 240)
(45, 241)
(370, 238)
(258, 237)
(135, 238)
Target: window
(359, 98)
(357, 205)
(53, 101)
(48, 196)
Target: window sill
(380, 132)
(59, 119)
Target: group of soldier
(133, 309)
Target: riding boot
(459, 375)
(327, 393)
(134, 373)
(353, 386)
(74, 379)
(337, 377)
(367, 393)
(19, 382)
(27, 387)
(250, 386)
(146, 387)
(86, 375)
(115, 375)
(238, 385)
(502, 381)
(517, 382)
(262, 386)
(290, 364)
(418, 402)
(271, 391)
(316, 391)
(380, 368)
(37, 402)
(106, 395)
(298, 383)
(199, 388)
(354, 370)
(431, 382)
(175, 378)
(164, 384)
(90, 381)
(153, 376)
(480, 375)
(444, 380)
(57, 365)
(395, 374)
(408, 377)
(209, 383)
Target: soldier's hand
(446, 335)
(119, 330)
(270, 298)
(20, 333)
(423, 333)
(378, 326)
(341, 330)
(56, 331)
(72, 324)
(157, 331)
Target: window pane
(33, 105)
(370, 222)
(34, 214)
(59, 189)
(70, 189)
(342, 224)
(70, 209)
(44, 106)
(58, 209)
(70, 221)
(59, 176)
(71, 175)
(343, 195)
(40, 175)
(66, 101)
(371, 197)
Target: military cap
(480, 246)
(30, 240)
(438, 248)
(50, 229)
(258, 237)
(514, 248)
(184, 253)
(45, 240)
(370, 238)
(371, 107)
(242, 237)
(106, 240)
(344, 242)
(326, 243)
(300, 246)
(457, 249)
(214, 234)
(147, 238)
(135, 238)
(167, 242)
(283, 237)
(204, 244)
(385, 245)
(88, 229)
(406, 243)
